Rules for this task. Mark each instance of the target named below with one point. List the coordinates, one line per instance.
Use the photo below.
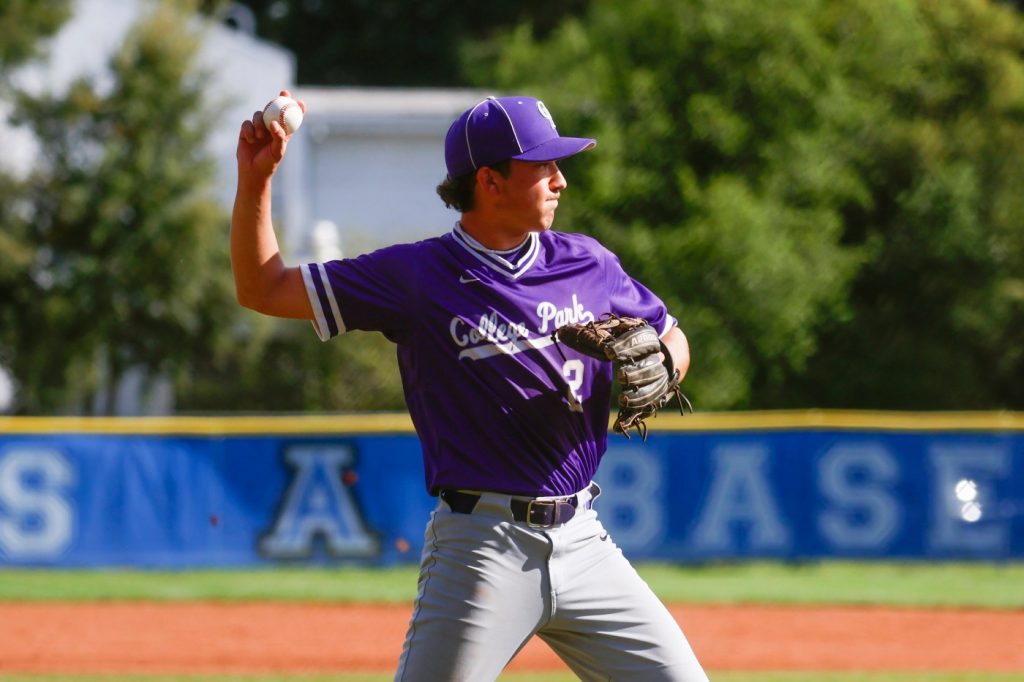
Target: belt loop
(460, 503)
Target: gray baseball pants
(488, 584)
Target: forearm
(255, 256)
(679, 348)
(262, 280)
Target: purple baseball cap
(500, 128)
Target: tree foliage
(114, 259)
(938, 310)
(24, 25)
(280, 365)
(24, 30)
(392, 42)
(827, 193)
(114, 249)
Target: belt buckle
(540, 504)
(554, 506)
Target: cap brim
(557, 148)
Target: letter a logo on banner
(317, 504)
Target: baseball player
(512, 427)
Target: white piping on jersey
(330, 298)
(669, 323)
(508, 348)
(499, 256)
(493, 258)
(320, 320)
(480, 247)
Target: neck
(492, 234)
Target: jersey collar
(512, 263)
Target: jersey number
(572, 370)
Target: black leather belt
(537, 513)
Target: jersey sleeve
(370, 292)
(631, 298)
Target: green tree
(710, 117)
(826, 193)
(113, 257)
(355, 372)
(120, 246)
(392, 42)
(938, 309)
(23, 27)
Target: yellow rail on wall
(400, 423)
(254, 424)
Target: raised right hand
(260, 151)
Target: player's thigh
(480, 598)
(609, 625)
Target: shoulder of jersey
(572, 240)
(428, 244)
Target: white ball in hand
(285, 111)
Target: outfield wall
(245, 491)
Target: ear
(487, 179)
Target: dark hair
(457, 192)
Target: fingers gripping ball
(643, 366)
(285, 111)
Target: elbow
(248, 299)
(251, 291)
(280, 296)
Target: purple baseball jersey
(495, 404)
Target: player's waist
(538, 512)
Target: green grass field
(959, 585)
(998, 586)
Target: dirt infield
(273, 637)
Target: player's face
(530, 194)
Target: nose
(558, 181)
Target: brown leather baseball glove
(643, 366)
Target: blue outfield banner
(194, 492)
